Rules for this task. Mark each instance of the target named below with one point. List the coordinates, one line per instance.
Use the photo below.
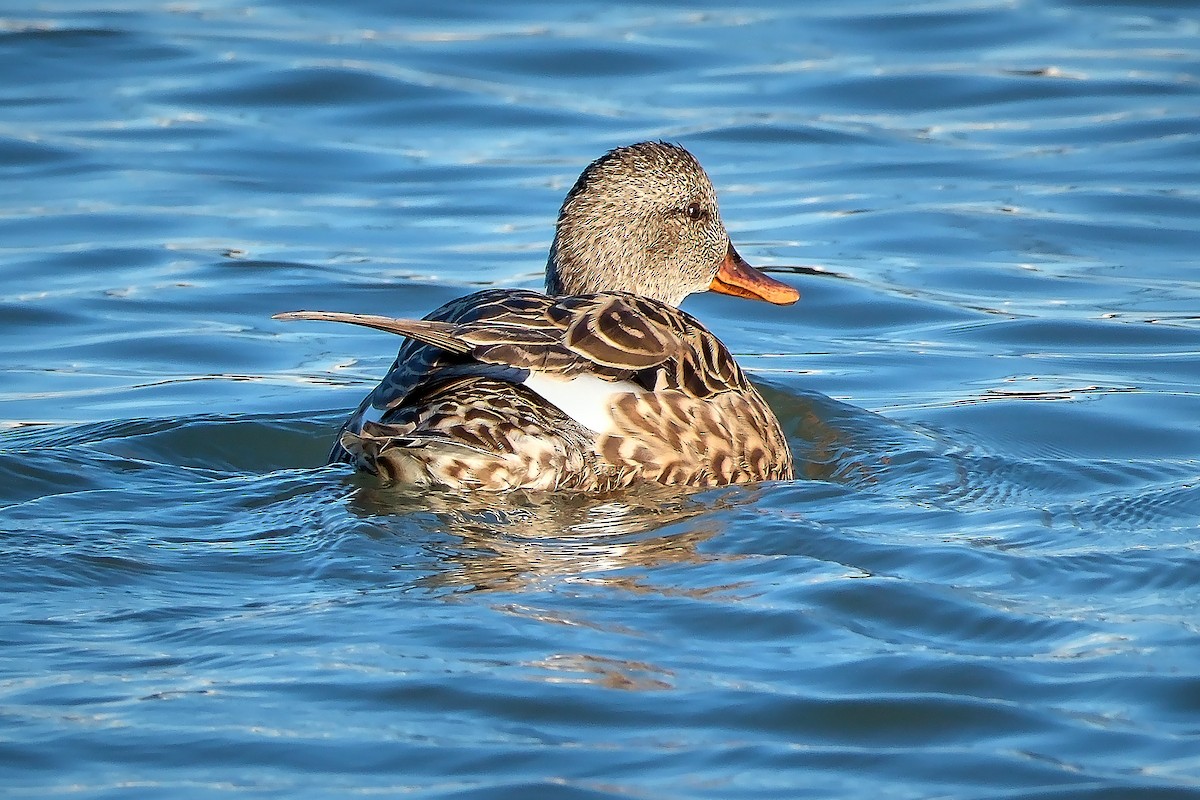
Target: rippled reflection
(515, 540)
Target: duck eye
(694, 211)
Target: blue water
(985, 584)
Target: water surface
(983, 585)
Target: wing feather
(612, 332)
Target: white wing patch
(585, 398)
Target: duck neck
(596, 264)
(554, 283)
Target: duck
(599, 383)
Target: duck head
(644, 219)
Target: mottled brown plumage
(601, 382)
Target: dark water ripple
(982, 586)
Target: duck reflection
(518, 540)
(611, 673)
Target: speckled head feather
(641, 219)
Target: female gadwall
(599, 383)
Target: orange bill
(739, 279)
